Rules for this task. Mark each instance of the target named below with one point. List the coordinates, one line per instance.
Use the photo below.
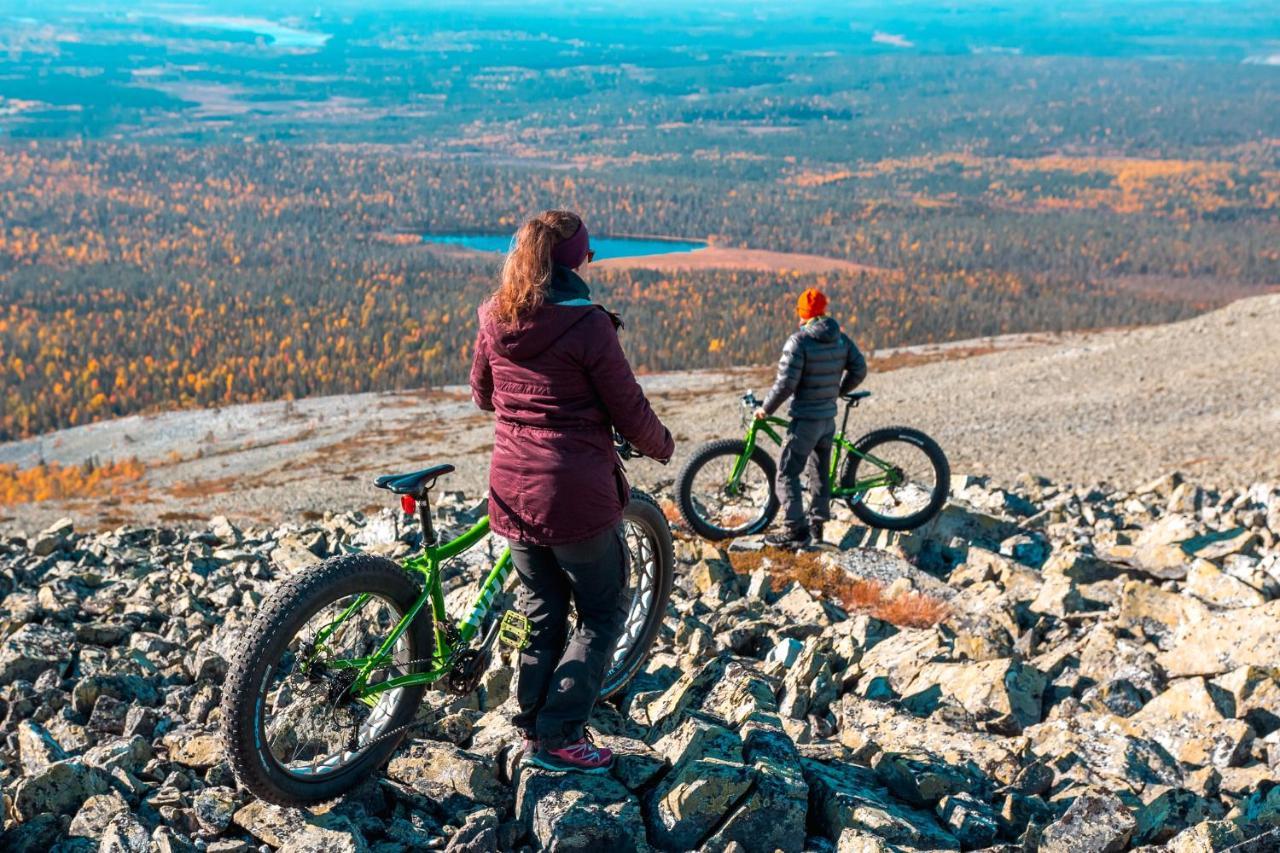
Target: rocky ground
(1104, 679)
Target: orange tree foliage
(135, 278)
(51, 480)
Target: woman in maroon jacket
(548, 362)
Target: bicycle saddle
(415, 484)
(856, 395)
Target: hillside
(1040, 668)
(1120, 406)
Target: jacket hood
(567, 301)
(823, 329)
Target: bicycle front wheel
(293, 733)
(902, 476)
(652, 570)
(715, 508)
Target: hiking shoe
(583, 756)
(815, 533)
(791, 540)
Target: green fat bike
(896, 478)
(335, 668)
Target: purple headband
(572, 252)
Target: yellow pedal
(514, 630)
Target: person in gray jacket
(819, 363)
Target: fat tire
(704, 454)
(941, 468)
(644, 511)
(288, 608)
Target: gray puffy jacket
(818, 364)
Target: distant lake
(280, 34)
(605, 247)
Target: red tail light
(408, 504)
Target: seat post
(424, 518)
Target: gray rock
(574, 811)
(843, 797)
(36, 747)
(1096, 822)
(478, 834)
(32, 649)
(93, 816)
(125, 834)
(299, 830)
(214, 809)
(60, 788)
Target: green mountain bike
(334, 670)
(895, 478)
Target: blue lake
(605, 247)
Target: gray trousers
(808, 447)
(561, 670)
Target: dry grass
(907, 610)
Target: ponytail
(527, 269)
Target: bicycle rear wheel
(652, 568)
(293, 733)
(915, 473)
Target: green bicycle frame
(448, 641)
(888, 475)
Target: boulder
(95, 813)
(196, 749)
(60, 788)
(575, 811)
(1167, 811)
(299, 830)
(36, 747)
(1210, 836)
(214, 808)
(1212, 585)
(970, 819)
(869, 727)
(452, 776)
(1157, 614)
(1187, 722)
(893, 663)
(1003, 695)
(1252, 694)
(1096, 822)
(1220, 642)
(53, 538)
(846, 797)
(32, 649)
(478, 834)
(1091, 749)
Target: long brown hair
(528, 266)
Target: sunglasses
(591, 255)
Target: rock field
(1106, 678)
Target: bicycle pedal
(514, 629)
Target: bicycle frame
(448, 640)
(889, 475)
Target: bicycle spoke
(313, 725)
(729, 505)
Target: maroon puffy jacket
(558, 383)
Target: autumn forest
(217, 259)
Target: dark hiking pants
(561, 670)
(808, 447)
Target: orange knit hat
(812, 303)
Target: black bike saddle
(415, 484)
(856, 395)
